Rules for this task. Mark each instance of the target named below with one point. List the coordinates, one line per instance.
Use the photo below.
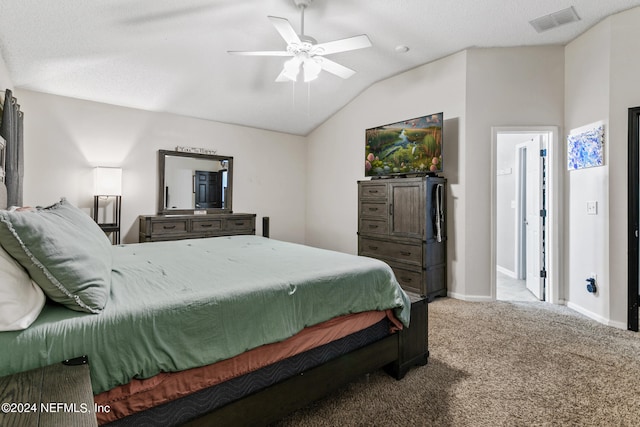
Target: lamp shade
(311, 69)
(107, 181)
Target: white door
(533, 220)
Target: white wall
(624, 94)
(65, 138)
(336, 154)
(602, 67)
(505, 87)
(5, 80)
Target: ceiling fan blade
(260, 53)
(342, 45)
(335, 68)
(285, 29)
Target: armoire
(402, 221)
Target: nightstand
(56, 395)
(413, 346)
(113, 229)
(110, 228)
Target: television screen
(409, 147)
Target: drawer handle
(373, 248)
(406, 279)
(206, 225)
(168, 227)
(373, 209)
(405, 253)
(239, 223)
(373, 226)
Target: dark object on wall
(265, 226)
(402, 222)
(413, 146)
(591, 285)
(11, 130)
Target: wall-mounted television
(408, 147)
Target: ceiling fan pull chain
(308, 99)
(293, 94)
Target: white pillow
(21, 300)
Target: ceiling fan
(307, 54)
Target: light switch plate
(592, 207)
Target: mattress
(142, 394)
(187, 408)
(183, 304)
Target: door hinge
(543, 274)
(543, 152)
(543, 213)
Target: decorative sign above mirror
(192, 183)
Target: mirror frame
(162, 154)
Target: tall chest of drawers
(402, 221)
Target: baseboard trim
(470, 298)
(598, 318)
(506, 272)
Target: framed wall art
(585, 148)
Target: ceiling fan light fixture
(292, 68)
(311, 69)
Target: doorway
(208, 189)
(525, 238)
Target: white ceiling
(170, 55)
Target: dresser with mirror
(195, 196)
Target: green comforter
(182, 304)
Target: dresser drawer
(374, 210)
(394, 251)
(409, 280)
(206, 225)
(159, 228)
(238, 224)
(373, 191)
(167, 227)
(374, 226)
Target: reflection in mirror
(190, 181)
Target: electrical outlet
(592, 207)
(592, 285)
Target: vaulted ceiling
(171, 56)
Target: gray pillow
(64, 251)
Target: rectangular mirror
(192, 181)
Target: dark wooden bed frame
(396, 353)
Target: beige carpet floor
(499, 364)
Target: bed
(228, 330)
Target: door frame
(633, 217)
(554, 292)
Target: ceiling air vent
(555, 19)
